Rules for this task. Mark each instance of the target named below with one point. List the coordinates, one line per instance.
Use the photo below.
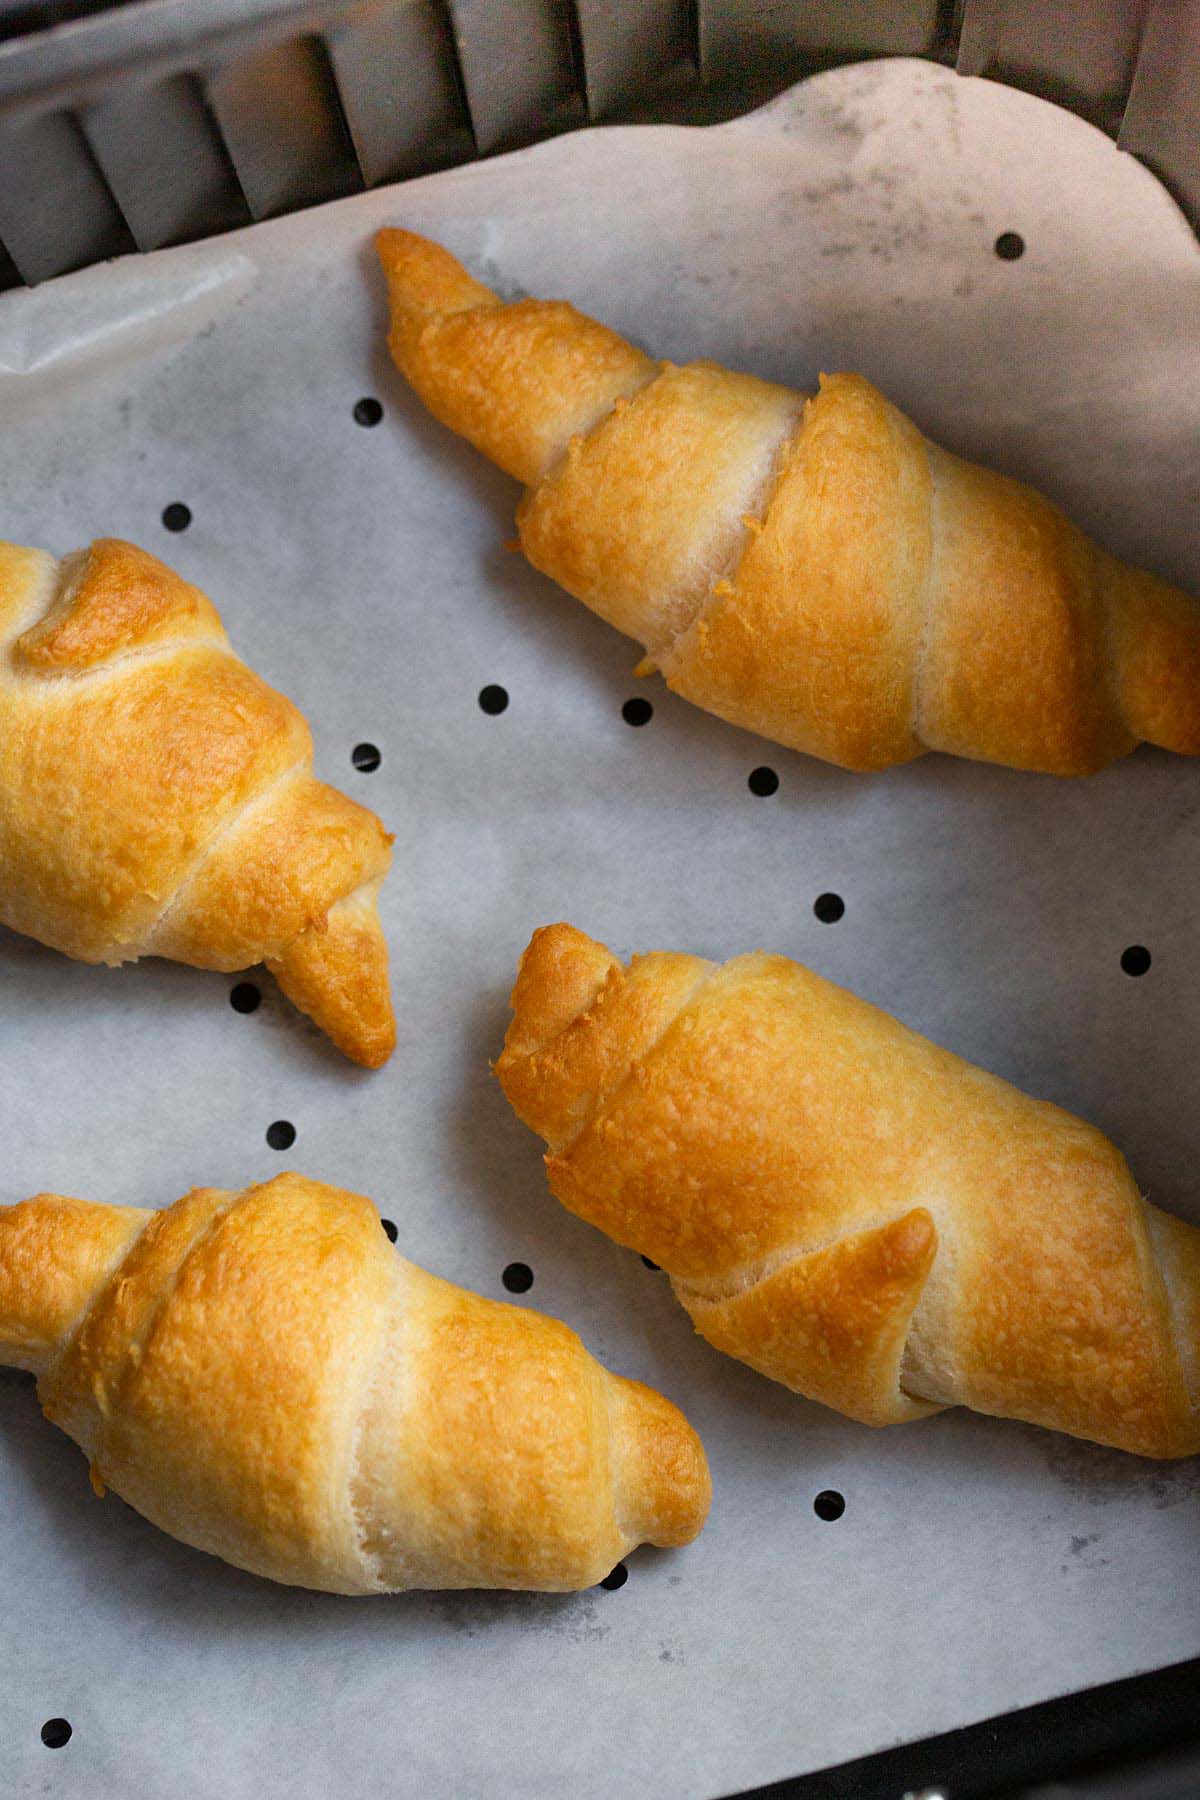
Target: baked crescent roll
(157, 797)
(263, 1376)
(809, 567)
(849, 1209)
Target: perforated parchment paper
(978, 1565)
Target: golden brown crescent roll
(810, 567)
(157, 797)
(849, 1209)
(263, 1376)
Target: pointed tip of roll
(664, 1489)
(560, 973)
(1154, 639)
(337, 973)
(517, 378)
(54, 1251)
(424, 280)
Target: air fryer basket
(157, 121)
(130, 127)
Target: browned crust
(261, 1375)
(704, 443)
(849, 1208)
(336, 971)
(833, 581)
(1017, 665)
(156, 796)
(122, 599)
(515, 380)
(832, 1323)
(814, 639)
(54, 1254)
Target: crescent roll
(807, 566)
(157, 797)
(264, 1377)
(849, 1209)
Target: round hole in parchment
(637, 711)
(177, 516)
(281, 1135)
(829, 1504)
(246, 997)
(829, 908)
(366, 758)
(1135, 959)
(56, 1733)
(518, 1278)
(762, 782)
(367, 411)
(493, 699)
(1009, 246)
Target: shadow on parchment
(67, 988)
